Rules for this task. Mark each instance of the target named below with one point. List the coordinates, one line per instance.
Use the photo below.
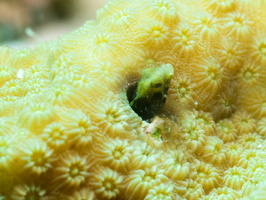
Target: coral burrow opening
(143, 108)
(147, 96)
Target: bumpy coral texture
(67, 130)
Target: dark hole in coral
(145, 107)
(157, 96)
(131, 92)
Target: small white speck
(259, 146)
(20, 73)
(196, 103)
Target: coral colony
(75, 123)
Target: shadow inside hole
(131, 92)
(146, 108)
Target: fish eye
(157, 85)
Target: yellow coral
(143, 157)
(154, 34)
(114, 153)
(181, 91)
(29, 192)
(226, 131)
(207, 175)
(55, 135)
(107, 184)
(176, 165)
(194, 135)
(243, 122)
(68, 131)
(193, 190)
(235, 178)
(35, 157)
(163, 191)
(84, 193)
(258, 194)
(71, 170)
(163, 11)
(217, 6)
(233, 153)
(213, 152)
(139, 182)
(115, 116)
(223, 193)
(6, 73)
(185, 42)
(209, 75)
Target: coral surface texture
(68, 130)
